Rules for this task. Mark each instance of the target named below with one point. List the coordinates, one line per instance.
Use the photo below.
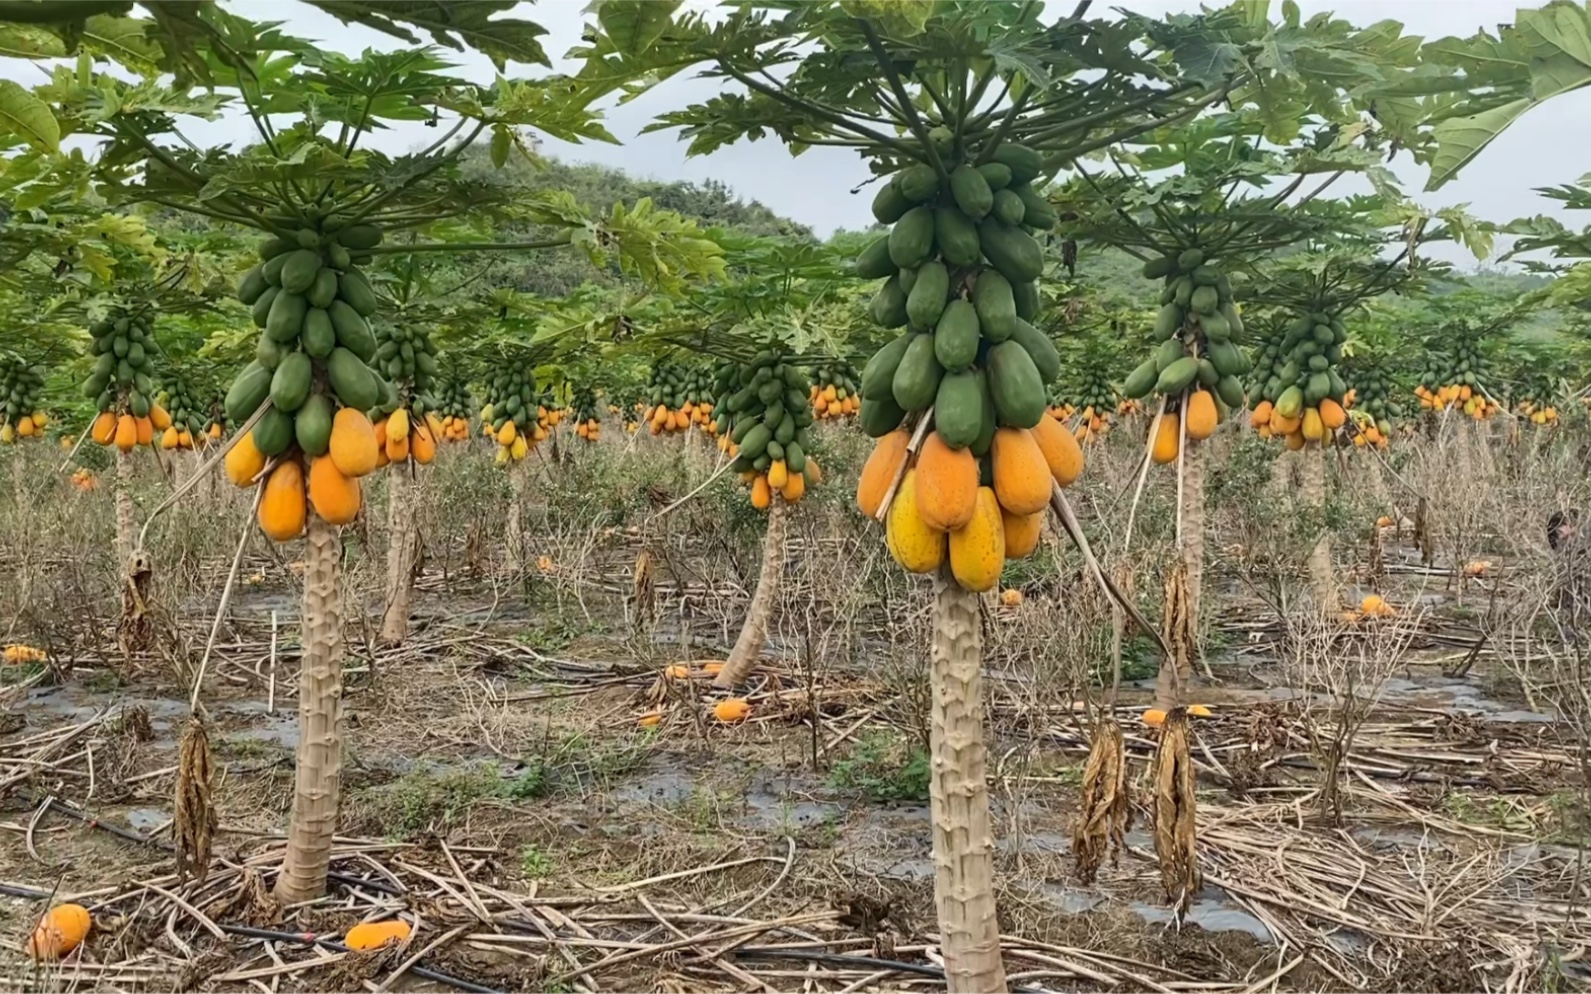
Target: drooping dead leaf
(1106, 813)
(1176, 840)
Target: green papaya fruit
(248, 392)
(878, 376)
(1168, 322)
(353, 288)
(971, 192)
(995, 304)
(324, 290)
(1036, 210)
(353, 333)
(252, 285)
(956, 237)
(958, 409)
(286, 319)
(1190, 259)
(1015, 385)
(1040, 349)
(917, 377)
(1175, 378)
(1026, 296)
(996, 174)
(911, 240)
(874, 262)
(927, 298)
(1008, 207)
(880, 415)
(1169, 352)
(1230, 390)
(319, 337)
(956, 336)
(359, 237)
(889, 204)
(1010, 250)
(273, 433)
(1025, 164)
(1154, 269)
(261, 311)
(291, 382)
(1141, 380)
(353, 381)
(299, 271)
(312, 425)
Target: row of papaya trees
(1002, 145)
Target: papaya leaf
(24, 41)
(458, 24)
(29, 118)
(1461, 139)
(633, 25)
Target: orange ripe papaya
(947, 484)
(1022, 533)
(1061, 451)
(126, 432)
(1332, 416)
(146, 431)
(761, 493)
(334, 496)
(1167, 439)
(353, 447)
(1261, 415)
(104, 430)
(1022, 479)
(879, 471)
(282, 507)
(1201, 415)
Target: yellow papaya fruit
(977, 549)
(1022, 533)
(1313, 429)
(917, 547)
(398, 424)
(334, 496)
(104, 430)
(353, 448)
(244, 461)
(778, 475)
(761, 493)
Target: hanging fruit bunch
(215, 419)
(515, 414)
(187, 422)
(21, 393)
(961, 268)
(1537, 390)
(678, 397)
(764, 421)
(834, 390)
(120, 385)
(1092, 399)
(405, 427)
(450, 403)
(1059, 409)
(1196, 368)
(1372, 402)
(1457, 378)
(1302, 397)
(315, 443)
(588, 415)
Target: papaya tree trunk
(1322, 582)
(513, 531)
(125, 525)
(969, 931)
(317, 783)
(754, 631)
(1193, 532)
(403, 547)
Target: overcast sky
(1548, 146)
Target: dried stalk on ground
(1176, 840)
(1101, 827)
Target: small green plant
(534, 863)
(884, 768)
(421, 800)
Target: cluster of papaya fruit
(1091, 399)
(1372, 402)
(1456, 379)
(406, 355)
(516, 415)
(968, 351)
(450, 402)
(835, 391)
(21, 394)
(961, 270)
(678, 397)
(311, 302)
(402, 436)
(765, 422)
(1535, 395)
(187, 427)
(128, 431)
(1303, 397)
(124, 347)
(84, 479)
(1196, 367)
(588, 416)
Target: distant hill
(711, 204)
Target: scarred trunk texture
(514, 532)
(403, 544)
(969, 932)
(318, 781)
(125, 528)
(754, 633)
(1322, 582)
(1193, 531)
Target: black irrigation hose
(72, 810)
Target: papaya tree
(323, 207)
(1207, 206)
(959, 112)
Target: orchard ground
(507, 748)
